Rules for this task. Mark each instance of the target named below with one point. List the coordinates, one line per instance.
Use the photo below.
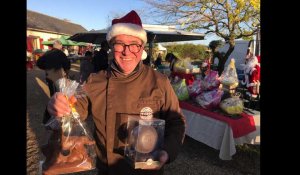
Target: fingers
(58, 105)
(72, 99)
(163, 158)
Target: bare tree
(228, 19)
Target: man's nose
(126, 50)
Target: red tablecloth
(189, 78)
(240, 127)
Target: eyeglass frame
(128, 45)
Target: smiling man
(124, 89)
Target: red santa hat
(130, 24)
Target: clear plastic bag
(195, 88)
(229, 76)
(180, 88)
(210, 99)
(211, 81)
(233, 105)
(72, 147)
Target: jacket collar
(116, 70)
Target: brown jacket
(112, 100)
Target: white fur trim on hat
(127, 29)
(144, 55)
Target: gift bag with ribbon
(71, 148)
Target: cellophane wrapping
(233, 105)
(180, 88)
(211, 81)
(71, 148)
(229, 76)
(195, 89)
(210, 99)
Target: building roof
(38, 21)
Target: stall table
(219, 131)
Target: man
(126, 87)
(158, 60)
(86, 67)
(65, 50)
(252, 75)
(172, 59)
(100, 59)
(56, 65)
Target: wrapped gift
(72, 147)
(229, 76)
(233, 105)
(210, 99)
(145, 140)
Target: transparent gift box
(144, 141)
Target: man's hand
(59, 105)
(163, 158)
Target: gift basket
(180, 88)
(233, 105)
(211, 81)
(229, 78)
(195, 89)
(71, 148)
(210, 99)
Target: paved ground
(194, 158)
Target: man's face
(126, 59)
(58, 45)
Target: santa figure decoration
(252, 75)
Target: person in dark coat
(56, 65)
(100, 59)
(158, 60)
(86, 67)
(172, 59)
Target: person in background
(86, 67)
(158, 60)
(56, 65)
(126, 88)
(100, 60)
(65, 50)
(172, 59)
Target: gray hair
(57, 42)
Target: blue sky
(92, 14)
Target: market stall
(214, 111)
(220, 131)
